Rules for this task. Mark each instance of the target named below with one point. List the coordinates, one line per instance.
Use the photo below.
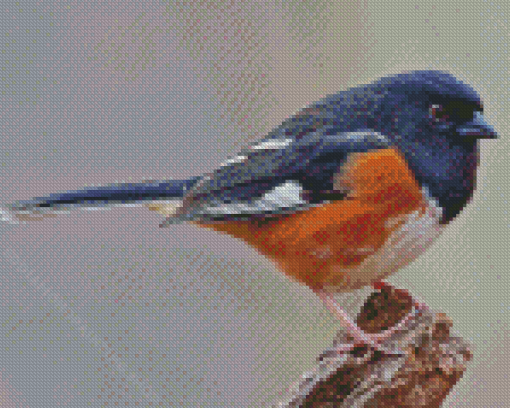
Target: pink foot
(381, 337)
(373, 340)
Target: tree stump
(429, 362)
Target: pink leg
(388, 333)
(346, 322)
(359, 336)
(380, 337)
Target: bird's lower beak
(477, 128)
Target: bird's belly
(345, 255)
(356, 252)
(409, 236)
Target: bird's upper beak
(477, 128)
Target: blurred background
(105, 308)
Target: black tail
(124, 194)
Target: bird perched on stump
(340, 195)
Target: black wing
(270, 177)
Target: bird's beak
(477, 128)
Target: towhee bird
(340, 195)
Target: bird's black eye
(438, 113)
(453, 111)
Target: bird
(340, 195)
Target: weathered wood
(430, 361)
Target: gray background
(107, 307)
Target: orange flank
(324, 246)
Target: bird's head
(432, 105)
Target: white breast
(415, 232)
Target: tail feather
(160, 195)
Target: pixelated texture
(423, 376)
(107, 309)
